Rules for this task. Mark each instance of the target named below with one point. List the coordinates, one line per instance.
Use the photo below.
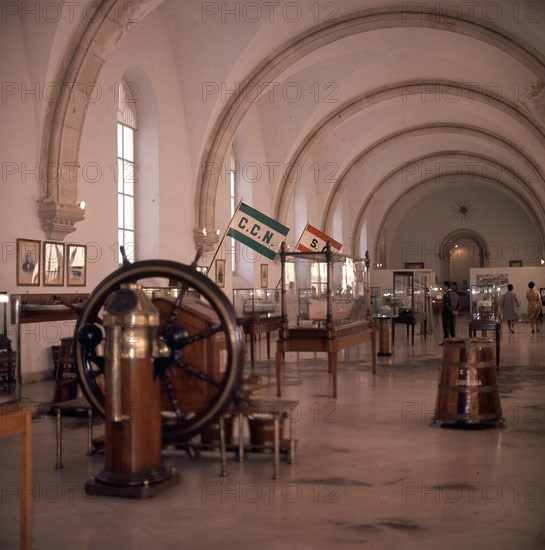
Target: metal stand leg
(240, 439)
(90, 448)
(291, 451)
(59, 440)
(223, 452)
(276, 447)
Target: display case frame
(258, 312)
(330, 330)
(382, 301)
(409, 288)
(484, 301)
(484, 304)
(410, 302)
(256, 302)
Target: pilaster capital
(58, 220)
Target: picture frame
(53, 263)
(264, 275)
(76, 265)
(515, 263)
(28, 262)
(220, 273)
(414, 265)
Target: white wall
(503, 224)
(20, 112)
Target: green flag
(256, 230)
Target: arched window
(126, 169)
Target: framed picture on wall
(53, 263)
(264, 275)
(220, 273)
(414, 265)
(515, 263)
(28, 261)
(76, 264)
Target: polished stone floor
(370, 472)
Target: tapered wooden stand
(133, 400)
(133, 466)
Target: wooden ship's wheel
(200, 344)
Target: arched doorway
(460, 251)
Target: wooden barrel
(468, 390)
(211, 434)
(262, 433)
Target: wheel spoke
(203, 335)
(97, 320)
(177, 304)
(194, 371)
(95, 373)
(171, 395)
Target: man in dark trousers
(451, 309)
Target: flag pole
(224, 234)
(295, 250)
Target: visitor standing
(451, 310)
(510, 308)
(534, 305)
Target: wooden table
(15, 418)
(485, 324)
(410, 320)
(321, 339)
(257, 324)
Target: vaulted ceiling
(364, 106)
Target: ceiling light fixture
(463, 209)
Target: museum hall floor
(370, 471)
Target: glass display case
(383, 302)
(257, 311)
(410, 302)
(256, 302)
(325, 306)
(163, 291)
(485, 300)
(30, 309)
(321, 289)
(409, 292)
(484, 305)
(435, 293)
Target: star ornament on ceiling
(463, 210)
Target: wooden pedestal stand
(133, 406)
